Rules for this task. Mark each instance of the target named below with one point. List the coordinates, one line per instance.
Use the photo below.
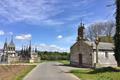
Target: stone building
(25, 53)
(34, 57)
(83, 52)
(9, 53)
(1, 54)
(28, 54)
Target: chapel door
(80, 59)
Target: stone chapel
(83, 52)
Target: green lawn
(98, 74)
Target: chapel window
(106, 54)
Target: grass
(65, 62)
(24, 72)
(14, 72)
(107, 73)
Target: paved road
(50, 71)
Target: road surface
(50, 71)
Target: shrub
(54, 55)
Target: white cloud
(52, 48)
(52, 22)
(28, 10)
(59, 36)
(68, 40)
(2, 32)
(24, 37)
(37, 11)
(80, 16)
(11, 33)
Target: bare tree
(95, 29)
(101, 29)
(109, 28)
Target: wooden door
(80, 59)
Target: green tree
(117, 34)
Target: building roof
(101, 45)
(11, 44)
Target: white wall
(105, 61)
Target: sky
(51, 25)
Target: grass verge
(14, 72)
(65, 62)
(107, 73)
(24, 72)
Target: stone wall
(12, 59)
(74, 58)
(34, 58)
(81, 48)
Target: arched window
(106, 54)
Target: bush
(53, 55)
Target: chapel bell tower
(81, 32)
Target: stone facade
(83, 53)
(12, 59)
(9, 54)
(34, 58)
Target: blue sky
(51, 24)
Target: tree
(117, 34)
(109, 31)
(94, 30)
(109, 28)
(103, 29)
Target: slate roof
(101, 46)
(11, 44)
